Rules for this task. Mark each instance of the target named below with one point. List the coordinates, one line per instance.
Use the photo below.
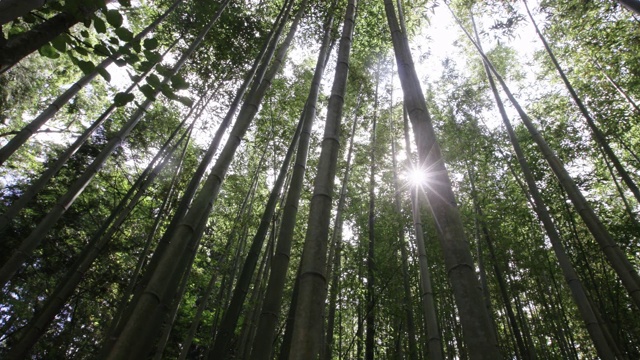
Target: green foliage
(86, 66)
(151, 43)
(124, 34)
(148, 91)
(591, 39)
(99, 25)
(49, 51)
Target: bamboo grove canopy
(304, 179)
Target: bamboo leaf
(101, 50)
(163, 70)
(114, 18)
(49, 51)
(152, 56)
(99, 25)
(151, 44)
(86, 66)
(153, 80)
(148, 91)
(81, 50)
(104, 73)
(137, 46)
(122, 99)
(60, 43)
(166, 91)
(124, 34)
(132, 58)
(179, 83)
(144, 66)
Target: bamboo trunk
(615, 256)
(230, 319)
(308, 325)
(407, 301)
(371, 267)
(262, 345)
(10, 10)
(336, 240)
(184, 240)
(474, 319)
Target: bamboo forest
(320, 179)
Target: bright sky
(441, 39)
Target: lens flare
(417, 177)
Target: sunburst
(417, 177)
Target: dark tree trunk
(475, 321)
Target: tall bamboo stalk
(230, 318)
(614, 255)
(308, 326)
(220, 262)
(371, 267)
(407, 301)
(336, 240)
(520, 349)
(257, 297)
(262, 345)
(184, 240)
(598, 334)
(475, 321)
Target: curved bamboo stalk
(598, 136)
